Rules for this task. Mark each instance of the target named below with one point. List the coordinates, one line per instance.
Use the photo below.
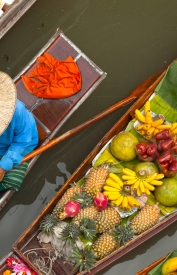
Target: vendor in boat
(18, 135)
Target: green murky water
(130, 40)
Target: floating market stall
(51, 113)
(117, 199)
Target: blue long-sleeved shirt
(19, 139)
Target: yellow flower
(7, 272)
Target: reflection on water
(130, 40)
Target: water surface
(130, 40)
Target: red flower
(10, 261)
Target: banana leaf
(165, 101)
(157, 270)
(168, 86)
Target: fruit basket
(127, 213)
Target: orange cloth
(53, 78)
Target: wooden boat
(12, 11)
(147, 269)
(51, 114)
(28, 240)
(3, 261)
(156, 267)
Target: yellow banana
(142, 132)
(129, 207)
(156, 131)
(114, 196)
(124, 202)
(109, 188)
(174, 131)
(173, 126)
(119, 201)
(109, 193)
(112, 183)
(128, 172)
(148, 186)
(152, 177)
(127, 177)
(116, 178)
(118, 187)
(138, 192)
(136, 185)
(130, 182)
(147, 107)
(146, 126)
(150, 131)
(157, 122)
(159, 176)
(164, 127)
(141, 186)
(148, 117)
(149, 137)
(156, 182)
(133, 202)
(140, 127)
(140, 116)
(147, 191)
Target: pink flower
(21, 268)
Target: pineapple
(145, 219)
(70, 233)
(66, 198)
(87, 212)
(104, 245)
(106, 219)
(88, 228)
(111, 240)
(122, 234)
(48, 223)
(96, 179)
(83, 259)
(83, 199)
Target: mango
(169, 266)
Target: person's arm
(20, 141)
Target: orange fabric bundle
(53, 78)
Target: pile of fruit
(109, 207)
(169, 267)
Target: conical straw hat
(8, 95)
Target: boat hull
(29, 237)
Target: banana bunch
(173, 129)
(140, 183)
(149, 127)
(117, 193)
